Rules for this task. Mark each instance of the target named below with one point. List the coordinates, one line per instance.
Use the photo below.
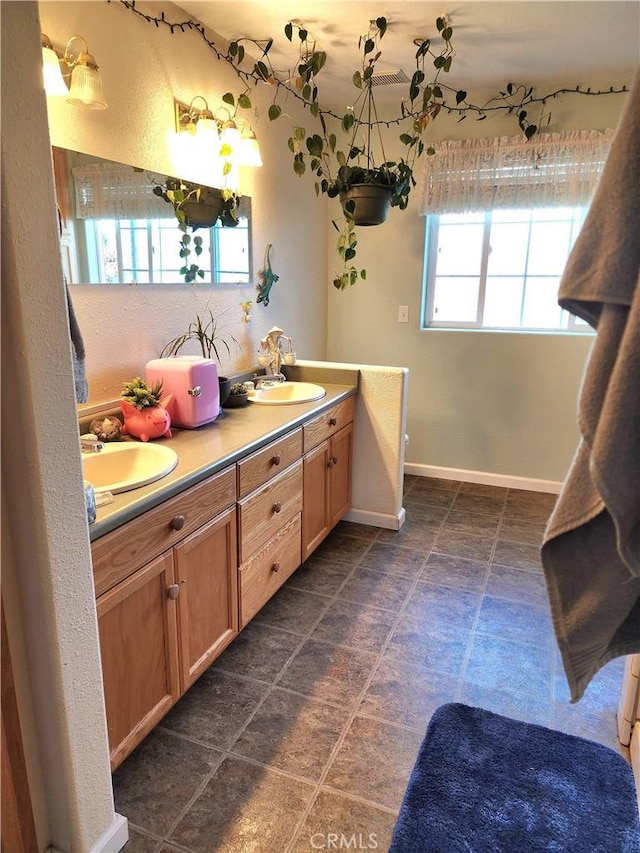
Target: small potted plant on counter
(238, 396)
(145, 410)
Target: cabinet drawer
(261, 514)
(256, 469)
(264, 573)
(327, 423)
(119, 553)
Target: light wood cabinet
(176, 584)
(137, 623)
(207, 577)
(161, 623)
(326, 474)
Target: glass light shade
(207, 128)
(86, 86)
(249, 152)
(54, 84)
(230, 136)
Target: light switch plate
(403, 313)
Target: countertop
(210, 448)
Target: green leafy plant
(237, 388)
(207, 332)
(181, 194)
(141, 395)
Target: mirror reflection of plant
(178, 193)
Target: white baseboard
(484, 477)
(112, 840)
(377, 519)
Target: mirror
(115, 230)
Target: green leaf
(299, 166)
(244, 101)
(274, 111)
(267, 47)
(357, 79)
(440, 24)
(306, 92)
(447, 63)
(261, 70)
(461, 96)
(229, 99)
(233, 48)
(405, 139)
(363, 274)
(240, 54)
(314, 109)
(439, 61)
(347, 121)
(369, 45)
(447, 33)
(381, 24)
(288, 31)
(531, 131)
(302, 34)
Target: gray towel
(591, 549)
(77, 354)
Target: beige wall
(144, 69)
(478, 401)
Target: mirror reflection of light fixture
(221, 139)
(86, 83)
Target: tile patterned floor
(308, 725)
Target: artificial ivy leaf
(363, 274)
(381, 24)
(244, 101)
(405, 139)
(531, 131)
(274, 111)
(369, 45)
(228, 99)
(440, 24)
(447, 63)
(306, 92)
(267, 47)
(158, 191)
(357, 79)
(233, 48)
(303, 34)
(347, 121)
(288, 31)
(461, 96)
(447, 33)
(240, 54)
(261, 70)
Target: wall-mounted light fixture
(85, 87)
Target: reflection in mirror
(115, 230)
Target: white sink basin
(120, 467)
(283, 393)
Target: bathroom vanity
(182, 565)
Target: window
(502, 216)
(500, 269)
(140, 251)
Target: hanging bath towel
(77, 354)
(591, 549)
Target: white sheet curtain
(552, 169)
(114, 191)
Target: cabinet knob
(276, 566)
(174, 591)
(332, 421)
(334, 459)
(331, 462)
(276, 459)
(177, 522)
(277, 506)
(195, 391)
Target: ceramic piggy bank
(150, 422)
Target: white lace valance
(113, 191)
(550, 170)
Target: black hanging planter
(372, 202)
(203, 212)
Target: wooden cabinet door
(207, 576)
(315, 504)
(139, 650)
(339, 467)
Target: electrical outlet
(403, 313)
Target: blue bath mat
(484, 783)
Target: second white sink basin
(283, 393)
(127, 465)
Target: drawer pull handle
(332, 421)
(174, 591)
(177, 522)
(334, 459)
(277, 506)
(276, 459)
(195, 391)
(276, 566)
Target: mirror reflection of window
(122, 233)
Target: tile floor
(308, 725)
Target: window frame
(574, 325)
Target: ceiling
(531, 41)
